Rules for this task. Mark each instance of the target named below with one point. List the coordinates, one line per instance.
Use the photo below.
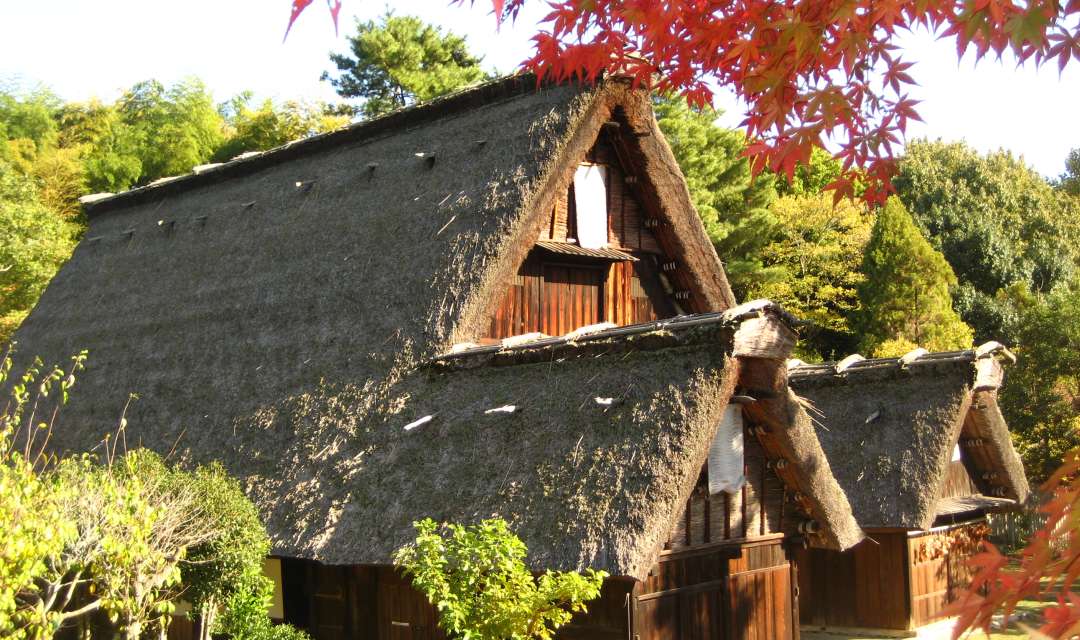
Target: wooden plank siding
(760, 508)
(556, 297)
(958, 481)
(864, 587)
(939, 568)
(736, 591)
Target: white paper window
(590, 202)
(726, 453)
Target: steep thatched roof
(888, 427)
(277, 312)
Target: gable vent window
(726, 453)
(590, 205)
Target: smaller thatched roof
(756, 335)
(889, 426)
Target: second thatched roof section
(889, 427)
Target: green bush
(477, 579)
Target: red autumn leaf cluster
(813, 73)
(1050, 564)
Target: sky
(97, 48)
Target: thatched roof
(889, 426)
(277, 312)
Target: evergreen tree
(905, 297)
(401, 60)
(733, 206)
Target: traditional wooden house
(922, 451)
(357, 326)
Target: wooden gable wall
(626, 218)
(555, 294)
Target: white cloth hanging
(590, 201)
(726, 453)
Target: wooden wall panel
(758, 510)
(864, 587)
(571, 298)
(939, 568)
(958, 481)
(723, 591)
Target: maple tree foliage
(1049, 564)
(813, 73)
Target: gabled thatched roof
(888, 427)
(277, 312)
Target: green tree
(1041, 396)
(34, 242)
(1069, 182)
(996, 221)
(818, 248)
(733, 206)
(29, 117)
(401, 60)
(272, 125)
(905, 296)
(477, 579)
(30, 505)
(108, 145)
(175, 129)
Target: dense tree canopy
(996, 221)
(400, 60)
(817, 250)
(174, 129)
(271, 125)
(905, 295)
(1041, 397)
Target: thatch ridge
(889, 425)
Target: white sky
(84, 48)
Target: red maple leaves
(813, 72)
(1050, 563)
(298, 7)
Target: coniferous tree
(401, 60)
(905, 298)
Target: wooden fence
(1012, 530)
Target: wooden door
(571, 298)
(689, 613)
